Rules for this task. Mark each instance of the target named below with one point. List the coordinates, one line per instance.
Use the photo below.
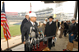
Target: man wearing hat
(26, 30)
(72, 31)
(66, 27)
(50, 30)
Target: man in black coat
(57, 26)
(26, 19)
(76, 35)
(72, 31)
(50, 30)
(66, 27)
(26, 29)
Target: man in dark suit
(66, 27)
(26, 29)
(57, 26)
(50, 30)
(26, 19)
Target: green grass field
(14, 30)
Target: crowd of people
(70, 28)
(67, 27)
(49, 28)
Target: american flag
(4, 24)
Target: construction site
(58, 12)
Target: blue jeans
(71, 38)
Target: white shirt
(32, 23)
(50, 22)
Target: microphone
(35, 42)
(42, 37)
(38, 41)
(42, 34)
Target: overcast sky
(24, 6)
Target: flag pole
(6, 35)
(8, 49)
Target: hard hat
(32, 15)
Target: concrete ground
(12, 42)
(60, 44)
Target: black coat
(66, 27)
(22, 24)
(36, 23)
(76, 25)
(76, 30)
(50, 30)
(73, 28)
(26, 30)
(58, 24)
